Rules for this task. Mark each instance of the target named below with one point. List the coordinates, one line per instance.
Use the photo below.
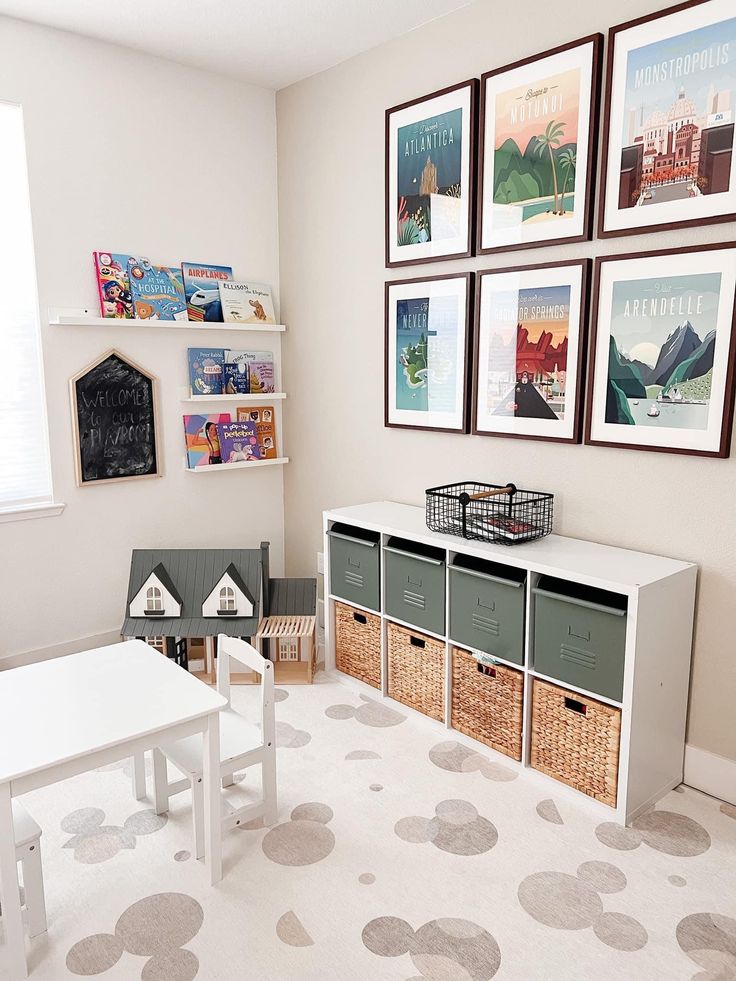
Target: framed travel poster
(430, 176)
(426, 369)
(529, 351)
(538, 133)
(668, 159)
(662, 360)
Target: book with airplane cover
(202, 434)
(158, 291)
(206, 370)
(201, 288)
(260, 368)
(112, 273)
(235, 378)
(239, 442)
(246, 303)
(264, 419)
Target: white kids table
(72, 714)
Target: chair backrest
(248, 657)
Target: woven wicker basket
(416, 671)
(358, 644)
(575, 739)
(487, 707)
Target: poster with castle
(670, 157)
(426, 353)
(537, 148)
(429, 176)
(663, 365)
(529, 352)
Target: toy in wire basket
(490, 512)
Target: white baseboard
(60, 650)
(713, 774)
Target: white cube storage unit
(653, 600)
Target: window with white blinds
(25, 467)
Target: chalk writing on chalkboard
(114, 417)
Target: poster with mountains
(661, 350)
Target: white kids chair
(242, 744)
(28, 854)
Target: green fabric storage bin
(415, 584)
(355, 559)
(580, 636)
(487, 607)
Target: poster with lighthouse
(669, 159)
(662, 371)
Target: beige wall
(331, 205)
(100, 181)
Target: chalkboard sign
(114, 418)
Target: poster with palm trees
(538, 136)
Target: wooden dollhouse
(179, 600)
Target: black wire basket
(490, 512)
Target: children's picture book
(201, 282)
(264, 419)
(112, 271)
(203, 439)
(260, 368)
(206, 370)
(158, 291)
(246, 303)
(235, 379)
(239, 442)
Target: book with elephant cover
(264, 419)
(246, 303)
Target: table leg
(139, 776)
(9, 891)
(212, 800)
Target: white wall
(331, 204)
(115, 163)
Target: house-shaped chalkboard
(114, 416)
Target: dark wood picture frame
(472, 84)
(723, 450)
(469, 278)
(591, 156)
(602, 232)
(585, 268)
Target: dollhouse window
(154, 600)
(227, 599)
(288, 649)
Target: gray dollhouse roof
(191, 575)
(297, 597)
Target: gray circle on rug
(157, 923)
(171, 965)
(339, 711)
(94, 955)
(362, 754)
(145, 822)
(617, 836)
(451, 755)
(376, 787)
(415, 829)
(729, 810)
(444, 942)
(377, 716)
(547, 810)
(676, 880)
(602, 876)
(366, 878)
(291, 931)
(82, 821)
(620, 931)
(473, 838)
(280, 694)
(456, 812)
(102, 844)
(182, 856)
(313, 811)
(299, 842)
(707, 931)
(560, 900)
(388, 936)
(672, 833)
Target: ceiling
(266, 42)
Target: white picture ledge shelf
(254, 399)
(85, 318)
(245, 465)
